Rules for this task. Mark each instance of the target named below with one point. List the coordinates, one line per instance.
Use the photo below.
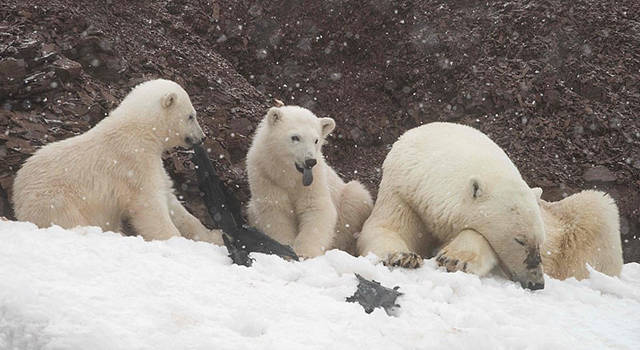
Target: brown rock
(5, 208)
(557, 192)
(67, 69)
(39, 82)
(95, 114)
(624, 225)
(241, 126)
(216, 11)
(11, 69)
(20, 145)
(237, 148)
(215, 150)
(599, 174)
(631, 250)
(439, 61)
(28, 48)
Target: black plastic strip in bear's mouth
(307, 174)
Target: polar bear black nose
(190, 141)
(535, 286)
(310, 163)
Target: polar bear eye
(191, 117)
(316, 141)
(518, 241)
(295, 138)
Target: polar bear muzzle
(531, 277)
(190, 141)
(307, 174)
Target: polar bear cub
(296, 197)
(114, 171)
(581, 229)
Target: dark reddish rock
(599, 174)
(241, 126)
(5, 207)
(520, 73)
(28, 48)
(67, 69)
(624, 226)
(11, 69)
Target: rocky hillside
(555, 83)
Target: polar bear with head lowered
(448, 188)
(296, 197)
(114, 171)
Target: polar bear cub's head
(296, 136)
(167, 110)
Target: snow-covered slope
(85, 289)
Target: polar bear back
(96, 178)
(451, 148)
(444, 156)
(78, 174)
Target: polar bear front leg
(468, 252)
(388, 232)
(188, 225)
(150, 217)
(388, 245)
(271, 212)
(316, 230)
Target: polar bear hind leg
(354, 207)
(189, 226)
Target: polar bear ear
(169, 99)
(274, 115)
(328, 124)
(476, 188)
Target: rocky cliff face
(555, 83)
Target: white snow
(87, 289)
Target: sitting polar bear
(296, 198)
(448, 187)
(114, 171)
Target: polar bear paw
(468, 252)
(307, 251)
(465, 261)
(455, 262)
(404, 259)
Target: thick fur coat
(114, 171)
(296, 197)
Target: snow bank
(87, 289)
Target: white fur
(114, 171)
(445, 184)
(581, 229)
(314, 218)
